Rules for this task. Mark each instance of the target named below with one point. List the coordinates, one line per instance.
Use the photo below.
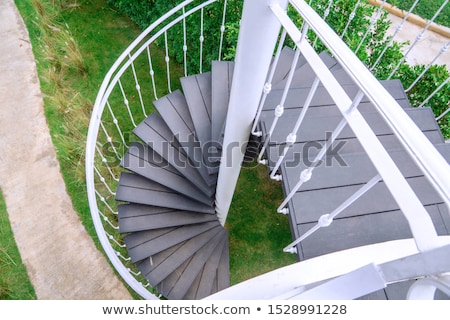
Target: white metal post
(258, 35)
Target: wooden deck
(373, 218)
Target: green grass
(14, 281)
(70, 77)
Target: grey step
(285, 63)
(205, 286)
(222, 76)
(304, 152)
(309, 205)
(345, 233)
(146, 162)
(297, 96)
(192, 270)
(313, 134)
(143, 244)
(223, 271)
(136, 217)
(157, 135)
(136, 189)
(164, 263)
(304, 76)
(197, 91)
(356, 168)
(174, 110)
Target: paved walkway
(61, 258)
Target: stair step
(144, 244)
(136, 217)
(345, 233)
(222, 76)
(162, 265)
(157, 135)
(297, 96)
(304, 76)
(174, 110)
(149, 164)
(284, 64)
(355, 169)
(192, 270)
(205, 286)
(136, 189)
(197, 91)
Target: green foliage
(426, 9)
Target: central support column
(258, 35)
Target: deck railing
(138, 77)
(142, 73)
(422, 152)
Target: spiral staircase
(166, 191)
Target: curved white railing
(123, 101)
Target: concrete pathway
(61, 258)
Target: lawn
(75, 42)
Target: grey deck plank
(136, 189)
(167, 285)
(146, 162)
(194, 267)
(144, 244)
(154, 132)
(135, 217)
(174, 109)
(159, 272)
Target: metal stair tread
(284, 64)
(345, 233)
(136, 217)
(162, 268)
(155, 133)
(143, 161)
(193, 268)
(136, 189)
(143, 244)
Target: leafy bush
(368, 46)
(426, 9)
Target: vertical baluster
(109, 139)
(103, 180)
(306, 174)
(105, 163)
(372, 23)
(103, 200)
(202, 39)
(268, 85)
(326, 219)
(116, 123)
(397, 30)
(279, 110)
(151, 72)
(138, 87)
(418, 38)
(350, 18)
(184, 43)
(167, 59)
(292, 137)
(325, 16)
(222, 29)
(126, 102)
